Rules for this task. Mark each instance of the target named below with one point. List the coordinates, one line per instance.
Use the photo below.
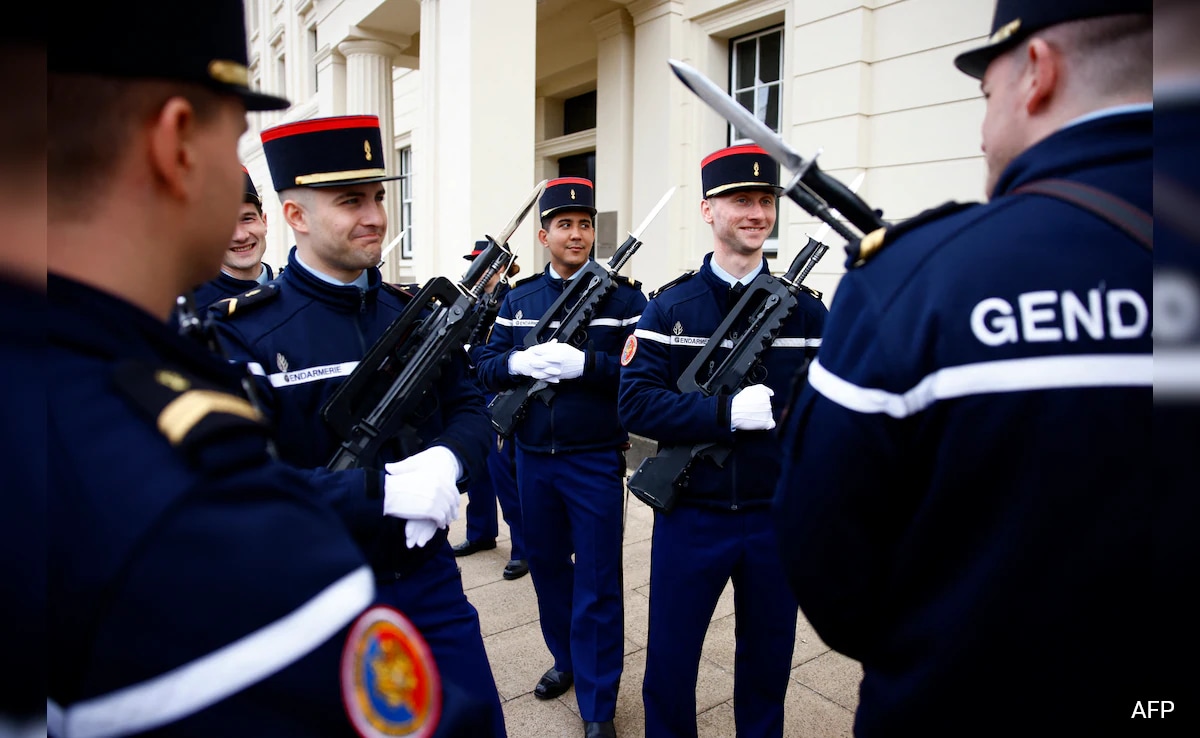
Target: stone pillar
(658, 101)
(475, 163)
(614, 119)
(369, 92)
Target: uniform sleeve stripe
(206, 681)
(1015, 375)
(504, 321)
(702, 340)
(652, 336)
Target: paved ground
(821, 696)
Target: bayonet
(810, 188)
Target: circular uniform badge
(629, 350)
(390, 683)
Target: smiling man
(243, 267)
(302, 336)
(720, 530)
(570, 458)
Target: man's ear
(706, 211)
(172, 149)
(542, 236)
(295, 216)
(1042, 67)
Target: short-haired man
(720, 528)
(195, 586)
(968, 492)
(570, 458)
(304, 336)
(243, 267)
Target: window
(406, 205)
(281, 75)
(756, 81)
(314, 79)
(755, 66)
(251, 17)
(579, 113)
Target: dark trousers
(500, 485)
(432, 598)
(694, 553)
(572, 503)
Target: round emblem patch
(629, 350)
(390, 683)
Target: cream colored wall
(870, 84)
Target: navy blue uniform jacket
(582, 415)
(301, 344)
(674, 327)
(224, 286)
(173, 548)
(965, 494)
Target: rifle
(583, 294)
(378, 401)
(762, 309)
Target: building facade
(482, 99)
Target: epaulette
(811, 291)
(528, 279)
(188, 411)
(861, 251)
(626, 280)
(678, 280)
(248, 300)
(407, 290)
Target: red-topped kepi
(249, 191)
(326, 152)
(513, 268)
(741, 167)
(567, 193)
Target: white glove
(423, 486)
(751, 409)
(563, 356)
(418, 532)
(531, 363)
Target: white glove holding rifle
(423, 489)
(563, 360)
(531, 362)
(751, 409)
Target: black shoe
(603, 729)
(466, 548)
(516, 568)
(553, 684)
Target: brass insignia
(677, 329)
(870, 244)
(1005, 32)
(755, 169)
(281, 362)
(367, 149)
(178, 418)
(572, 194)
(229, 72)
(172, 380)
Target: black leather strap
(1134, 221)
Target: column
(369, 92)
(614, 120)
(658, 100)
(476, 159)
